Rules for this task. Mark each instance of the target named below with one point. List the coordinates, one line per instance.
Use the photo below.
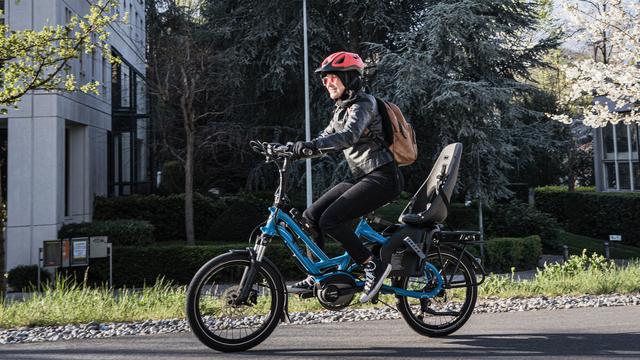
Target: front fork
(248, 276)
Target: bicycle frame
(274, 227)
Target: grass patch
(579, 275)
(71, 302)
(577, 243)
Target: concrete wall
(36, 136)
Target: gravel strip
(95, 330)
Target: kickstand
(387, 305)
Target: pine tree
(460, 74)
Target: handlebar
(276, 150)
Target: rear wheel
(447, 311)
(220, 322)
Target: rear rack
(465, 237)
(460, 240)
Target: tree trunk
(571, 180)
(188, 185)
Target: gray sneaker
(374, 272)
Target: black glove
(300, 146)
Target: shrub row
(136, 266)
(229, 219)
(501, 254)
(594, 214)
(120, 232)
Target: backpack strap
(387, 127)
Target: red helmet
(342, 61)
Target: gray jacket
(356, 128)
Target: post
(481, 228)
(606, 250)
(307, 118)
(39, 266)
(110, 265)
(565, 252)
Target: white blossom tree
(612, 29)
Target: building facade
(64, 149)
(615, 153)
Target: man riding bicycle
(356, 129)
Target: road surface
(596, 333)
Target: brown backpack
(399, 135)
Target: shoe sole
(366, 297)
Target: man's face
(334, 86)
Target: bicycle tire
(406, 309)
(197, 320)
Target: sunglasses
(326, 80)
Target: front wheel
(447, 311)
(219, 321)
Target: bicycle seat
(429, 205)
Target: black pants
(333, 213)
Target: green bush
(242, 214)
(519, 219)
(501, 254)
(136, 266)
(461, 217)
(24, 277)
(594, 214)
(165, 213)
(120, 232)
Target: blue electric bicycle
(235, 301)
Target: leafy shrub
(461, 217)
(165, 213)
(501, 254)
(242, 214)
(121, 232)
(594, 214)
(578, 264)
(519, 219)
(24, 277)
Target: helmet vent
(339, 61)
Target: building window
(125, 86)
(94, 63)
(621, 161)
(3, 12)
(141, 96)
(142, 150)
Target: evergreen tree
(460, 74)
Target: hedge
(135, 266)
(501, 254)
(228, 219)
(594, 214)
(120, 232)
(516, 219)
(165, 213)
